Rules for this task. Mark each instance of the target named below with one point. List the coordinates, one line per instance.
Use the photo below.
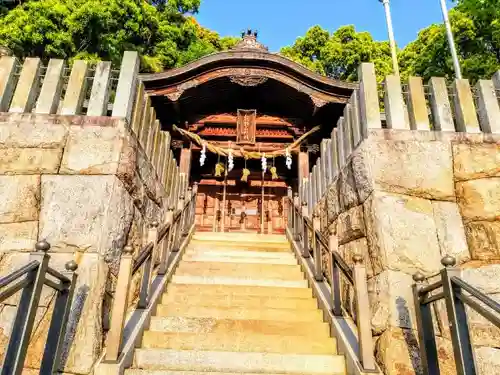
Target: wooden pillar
(303, 166)
(216, 207)
(185, 161)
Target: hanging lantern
(264, 163)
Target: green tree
(476, 28)
(162, 32)
(339, 54)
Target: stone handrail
(153, 258)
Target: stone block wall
(403, 200)
(87, 186)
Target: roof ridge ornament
(249, 41)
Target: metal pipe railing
(457, 295)
(161, 241)
(306, 232)
(30, 279)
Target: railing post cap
(448, 261)
(295, 194)
(182, 197)
(71, 266)
(196, 183)
(190, 188)
(304, 204)
(315, 215)
(42, 245)
(357, 259)
(154, 224)
(128, 249)
(171, 208)
(419, 277)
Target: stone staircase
(237, 304)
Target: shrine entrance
(245, 125)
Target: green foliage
(160, 31)
(339, 54)
(476, 28)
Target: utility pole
(392, 41)
(451, 40)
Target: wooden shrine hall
(245, 99)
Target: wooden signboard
(246, 126)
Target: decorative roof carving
(249, 41)
(248, 81)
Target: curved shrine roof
(248, 76)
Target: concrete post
(127, 84)
(334, 153)
(496, 80)
(319, 179)
(340, 143)
(27, 86)
(75, 91)
(394, 104)
(153, 130)
(303, 165)
(147, 116)
(314, 188)
(310, 192)
(166, 153)
(440, 105)
(8, 66)
(139, 106)
(417, 106)
(355, 119)
(489, 111)
(99, 96)
(185, 161)
(50, 94)
(326, 157)
(465, 110)
(347, 134)
(368, 101)
(157, 145)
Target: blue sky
(280, 22)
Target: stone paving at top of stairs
(237, 304)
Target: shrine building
(247, 100)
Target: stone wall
(403, 200)
(87, 186)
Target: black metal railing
(30, 279)
(312, 244)
(457, 294)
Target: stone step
(231, 237)
(259, 271)
(290, 315)
(231, 300)
(211, 290)
(243, 281)
(163, 372)
(212, 325)
(238, 362)
(238, 342)
(241, 245)
(208, 252)
(208, 257)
